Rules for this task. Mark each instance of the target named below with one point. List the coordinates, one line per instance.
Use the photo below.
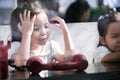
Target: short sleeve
(14, 48)
(56, 47)
(100, 53)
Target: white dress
(47, 55)
(100, 53)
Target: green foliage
(96, 12)
(99, 10)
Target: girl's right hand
(27, 24)
(117, 15)
(61, 23)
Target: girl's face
(41, 30)
(112, 38)
(86, 15)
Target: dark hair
(75, 11)
(34, 6)
(104, 21)
(21, 3)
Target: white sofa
(84, 35)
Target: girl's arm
(26, 28)
(69, 47)
(112, 57)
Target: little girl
(109, 36)
(30, 33)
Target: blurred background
(60, 7)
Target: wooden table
(108, 71)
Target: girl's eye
(115, 36)
(36, 29)
(46, 26)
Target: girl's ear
(102, 40)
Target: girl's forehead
(41, 18)
(115, 24)
(114, 27)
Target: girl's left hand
(61, 23)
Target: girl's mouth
(43, 39)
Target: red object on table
(4, 59)
(35, 65)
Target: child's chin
(43, 43)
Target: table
(98, 71)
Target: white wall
(84, 35)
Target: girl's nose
(119, 40)
(42, 32)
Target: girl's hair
(104, 21)
(21, 3)
(75, 11)
(34, 6)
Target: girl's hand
(61, 23)
(117, 15)
(27, 24)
